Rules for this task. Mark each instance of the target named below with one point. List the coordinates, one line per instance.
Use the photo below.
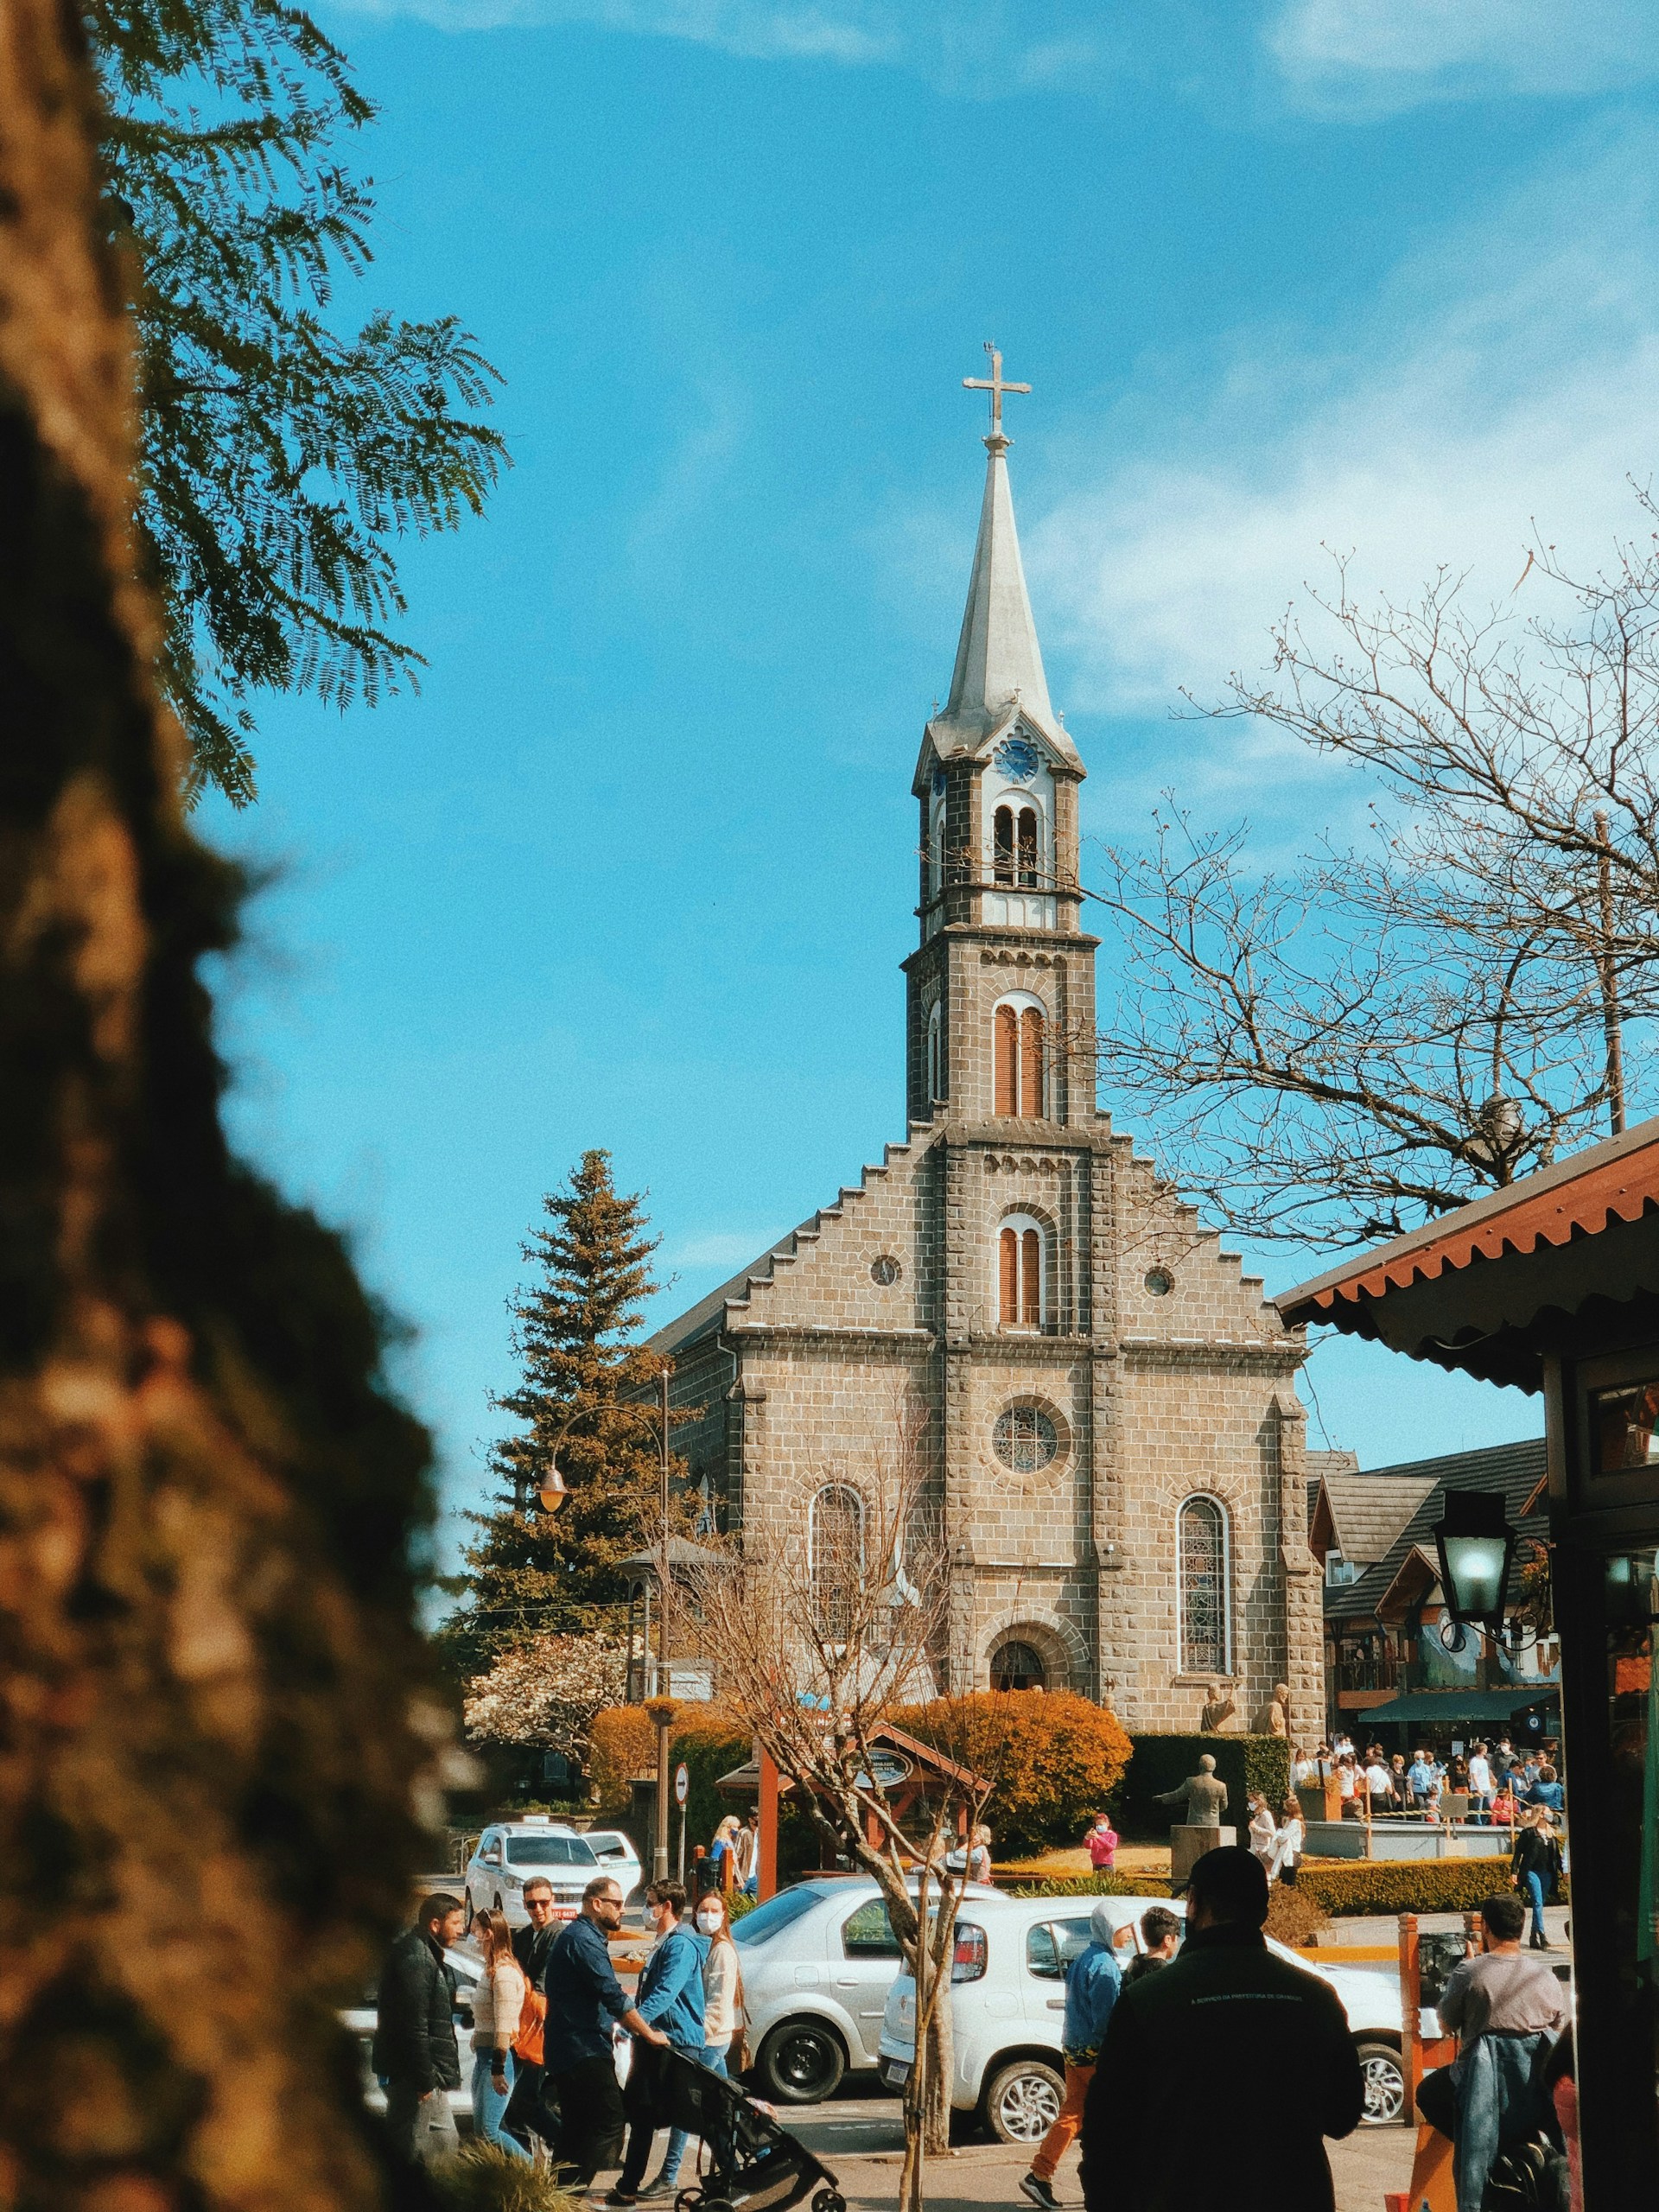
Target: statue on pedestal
(1273, 1718)
(1205, 1797)
(1220, 1707)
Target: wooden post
(1411, 2015)
(767, 1850)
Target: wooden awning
(1485, 1288)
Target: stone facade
(1146, 1370)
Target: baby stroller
(754, 2164)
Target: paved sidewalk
(862, 2140)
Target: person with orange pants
(1092, 1981)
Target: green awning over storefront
(1488, 1707)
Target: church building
(1112, 1424)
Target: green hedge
(1087, 1886)
(1358, 1886)
(1245, 1764)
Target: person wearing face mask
(670, 2006)
(722, 2015)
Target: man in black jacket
(530, 2109)
(1219, 2075)
(415, 2052)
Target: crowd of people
(1491, 1781)
(544, 2083)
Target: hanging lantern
(1477, 1545)
(554, 1491)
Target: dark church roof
(1515, 1470)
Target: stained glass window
(1203, 1539)
(1024, 1438)
(837, 1545)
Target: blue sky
(635, 868)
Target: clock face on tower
(1018, 759)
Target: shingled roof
(1516, 1470)
(1360, 1515)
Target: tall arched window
(1022, 1273)
(935, 845)
(936, 1050)
(1019, 1037)
(835, 1545)
(1201, 1581)
(1015, 845)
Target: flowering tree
(546, 1690)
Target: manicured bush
(1245, 1764)
(1293, 1916)
(1354, 1887)
(1055, 1758)
(1086, 1885)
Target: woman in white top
(1288, 1846)
(496, 2002)
(722, 2017)
(1264, 1831)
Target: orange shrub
(621, 1743)
(1054, 1758)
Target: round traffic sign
(681, 1784)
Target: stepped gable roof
(1484, 1288)
(1515, 1470)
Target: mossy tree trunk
(207, 1495)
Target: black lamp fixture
(1477, 1546)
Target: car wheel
(1385, 2084)
(1023, 2102)
(802, 2063)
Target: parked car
(1009, 2002)
(818, 1960)
(616, 1855)
(507, 1855)
(360, 2020)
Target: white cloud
(1374, 55)
(1510, 374)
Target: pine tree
(587, 1396)
(283, 453)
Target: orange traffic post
(767, 1885)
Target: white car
(616, 1855)
(360, 2020)
(512, 1852)
(818, 1960)
(1010, 2004)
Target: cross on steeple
(995, 385)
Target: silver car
(818, 1960)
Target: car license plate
(895, 2073)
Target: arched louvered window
(1002, 845)
(1022, 1271)
(1015, 845)
(1019, 1038)
(1201, 1582)
(936, 1050)
(836, 1556)
(1025, 834)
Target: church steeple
(998, 658)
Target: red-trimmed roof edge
(1615, 1180)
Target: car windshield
(777, 1913)
(549, 1851)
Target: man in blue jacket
(1092, 1981)
(670, 2007)
(583, 1998)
